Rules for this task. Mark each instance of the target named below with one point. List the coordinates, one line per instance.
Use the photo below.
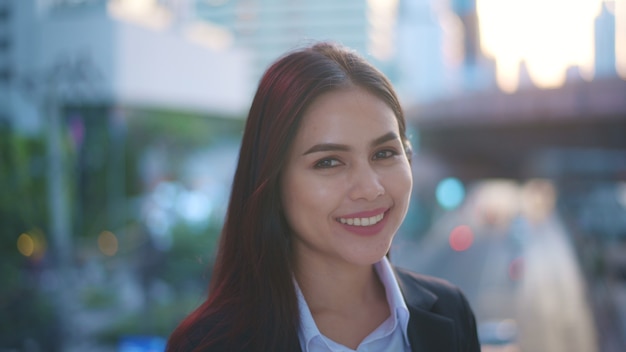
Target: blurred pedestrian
(322, 185)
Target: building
(269, 28)
(116, 54)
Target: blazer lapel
(430, 332)
(427, 331)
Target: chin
(369, 257)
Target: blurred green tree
(27, 313)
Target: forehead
(345, 113)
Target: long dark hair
(252, 303)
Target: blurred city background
(120, 122)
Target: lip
(367, 230)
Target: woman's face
(347, 181)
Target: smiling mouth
(372, 220)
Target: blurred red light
(461, 238)
(516, 268)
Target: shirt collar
(308, 329)
(396, 302)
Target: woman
(322, 185)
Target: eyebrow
(325, 147)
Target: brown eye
(385, 154)
(327, 163)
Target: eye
(327, 163)
(385, 154)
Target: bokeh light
(148, 13)
(461, 238)
(26, 245)
(107, 243)
(538, 199)
(516, 268)
(450, 193)
(496, 202)
(32, 244)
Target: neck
(327, 286)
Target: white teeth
(373, 220)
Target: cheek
(400, 183)
(307, 194)
(298, 198)
(309, 202)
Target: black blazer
(440, 318)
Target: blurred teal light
(450, 193)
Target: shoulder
(411, 278)
(433, 294)
(416, 283)
(438, 312)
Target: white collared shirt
(390, 336)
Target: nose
(365, 184)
